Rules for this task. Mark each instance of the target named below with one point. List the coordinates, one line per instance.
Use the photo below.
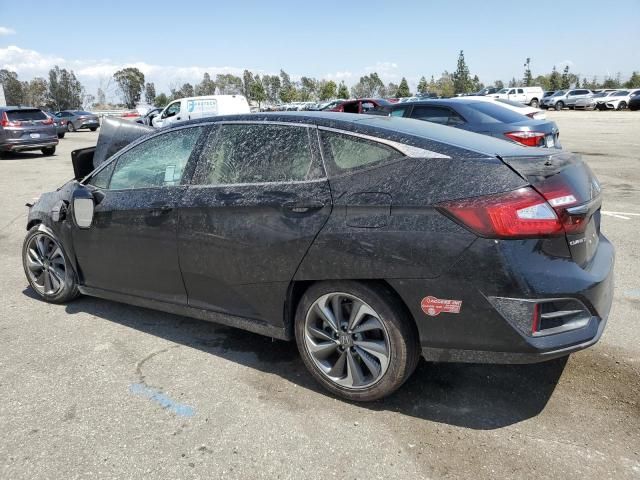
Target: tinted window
(520, 90)
(156, 162)
(398, 112)
(431, 114)
(81, 112)
(485, 112)
(621, 93)
(257, 154)
(21, 115)
(349, 151)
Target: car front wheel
(559, 106)
(70, 127)
(47, 268)
(622, 106)
(534, 103)
(356, 339)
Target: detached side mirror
(83, 206)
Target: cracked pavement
(105, 390)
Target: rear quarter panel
(384, 223)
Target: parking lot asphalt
(96, 389)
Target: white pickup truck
(527, 95)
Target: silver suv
(564, 98)
(23, 129)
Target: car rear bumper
(486, 331)
(88, 124)
(22, 145)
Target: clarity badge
(433, 306)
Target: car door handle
(156, 212)
(303, 206)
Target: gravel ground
(103, 390)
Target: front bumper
(517, 270)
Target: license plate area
(34, 135)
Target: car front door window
(173, 109)
(157, 162)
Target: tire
(48, 151)
(559, 106)
(70, 127)
(534, 103)
(41, 252)
(61, 135)
(622, 106)
(93, 129)
(363, 365)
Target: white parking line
(621, 215)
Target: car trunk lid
(571, 188)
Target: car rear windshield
(489, 113)
(510, 102)
(25, 114)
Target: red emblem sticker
(433, 306)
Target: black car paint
(376, 224)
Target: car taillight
(529, 139)
(4, 121)
(521, 213)
(48, 121)
(561, 199)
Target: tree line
(62, 90)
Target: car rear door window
(398, 112)
(246, 153)
(431, 114)
(157, 162)
(350, 151)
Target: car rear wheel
(93, 129)
(61, 135)
(70, 127)
(622, 106)
(559, 106)
(47, 267)
(534, 103)
(48, 151)
(356, 339)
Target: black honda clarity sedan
(369, 240)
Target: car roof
(407, 130)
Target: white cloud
(6, 31)
(346, 75)
(565, 63)
(31, 63)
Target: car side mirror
(83, 206)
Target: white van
(527, 95)
(189, 108)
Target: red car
(362, 105)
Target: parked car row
(27, 129)
(583, 99)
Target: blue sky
(175, 42)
